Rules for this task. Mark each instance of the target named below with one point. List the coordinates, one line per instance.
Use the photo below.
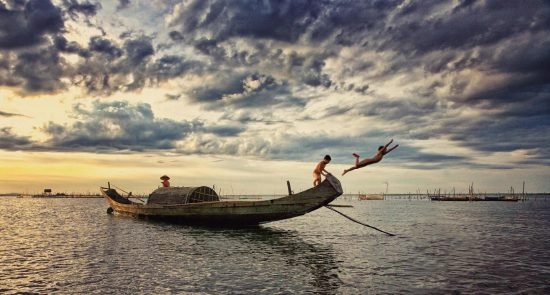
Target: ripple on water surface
(73, 246)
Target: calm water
(72, 246)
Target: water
(62, 246)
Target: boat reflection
(297, 254)
(266, 259)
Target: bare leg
(361, 164)
(356, 159)
(317, 181)
(354, 167)
(348, 170)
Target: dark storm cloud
(176, 36)
(27, 29)
(405, 111)
(109, 65)
(104, 46)
(28, 25)
(348, 22)
(112, 126)
(61, 44)
(132, 65)
(225, 130)
(481, 23)
(74, 8)
(508, 133)
(10, 141)
(138, 50)
(487, 36)
(172, 66)
(211, 48)
(40, 70)
(528, 67)
(246, 91)
(33, 32)
(225, 85)
(279, 20)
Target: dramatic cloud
(285, 79)
(10, 141)
(29, 24)
(117, 126)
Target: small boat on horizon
(371, 197)
(201, 205)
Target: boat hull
(230, 213)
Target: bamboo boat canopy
(182, 195)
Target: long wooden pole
(329, 207)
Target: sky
(245, 95)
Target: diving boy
(382, 150)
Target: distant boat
(453, 198)
(501, 198)
(371, 197)
(474, 198)
(457, 198)
(511, 197)
(201, 205)
(58, 195)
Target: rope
(129, 194)
(329, 207)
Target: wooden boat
(460, 198)
(501, 198)
(201, 205)
(371, 197)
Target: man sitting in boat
(165, 182)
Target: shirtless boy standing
(320, 170)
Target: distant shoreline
(256, 196)
(39, 196)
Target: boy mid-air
(382, 150)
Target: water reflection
(258, 259)
(319, 260)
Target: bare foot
(355, 155)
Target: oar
(329, 207)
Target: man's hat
(164, 177)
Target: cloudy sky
(247, 94)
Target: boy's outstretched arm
(393, 148)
